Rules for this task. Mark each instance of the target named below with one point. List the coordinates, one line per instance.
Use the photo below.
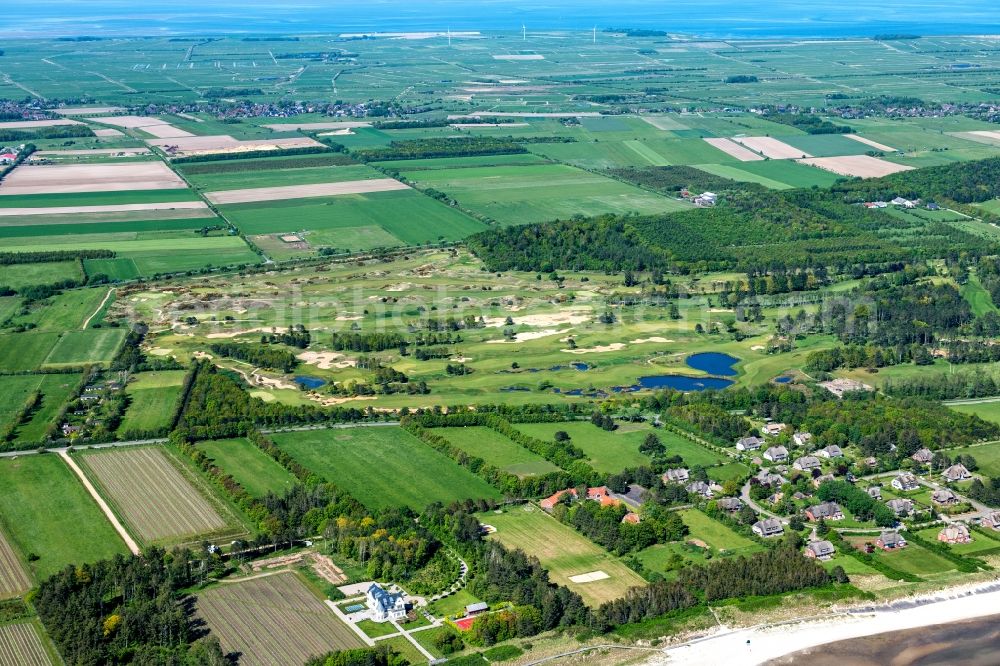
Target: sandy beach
(760, 644)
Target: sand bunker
(868, 142)
(291, 127)
(326, 360)
(733, 149)
(305, 191)
(614, 346)
(641, 341)
(31, 124)
(589, 577)
(862, 166)
(525, 337)
(66, 178)
(554, 319)
(771, 147)
(113, 208)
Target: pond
(580, 366)
(784, 379)
(682, 383)
(713, 363)
(308, 382)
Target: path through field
(122, 532)
(99, 308)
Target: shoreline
(763, 643)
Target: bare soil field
(20, 645)
(223, 143)
(862, 166)
(82, 111)
(733, 149)
(74, 178)
(980, 136)
(868, 142)
(107, 133)
(32, 124)
(13, 578)
(129, 122)
(165, 131)
(771, 147)
(291, 127)
(90, 151)
(273, 619)
(305, 191)
(152, 496)
(111, 208)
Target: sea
(969, 643)
(709, 18)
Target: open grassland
(94, 346)
(21, 645)
(273, 620)
(16, 276)
(62, 312)
(563, 552)
(976, 295)
(522, 194)
(256, 176)
(45, 510)
(707, 538)
(371, 462)
(252, 468)
(402, 217)
(152, 398)
(20, 352)
(153, 497)
(55, 389)
(497, 450)
(916, 560)
(987, 455)
(990, 411)
(14, 578)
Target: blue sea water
(713, 18)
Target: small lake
(308, 382)
(580, 366)
(784, 379)
(683, 383)
(713, 363)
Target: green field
(988, 455)
(90, 347)
(16, 276)
(14, 391)
(563, 552)
(65, 311)
(46, 511)
(251, 467)
(707, 537)
(916, 560)
(990, 411)
(497, 450)
(260, 176)
(976, 295)
(20, 352)
(357, 221)
(370, 462)
(96, 198)
(152, 398)
(522, 194)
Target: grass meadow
(251, 467)
(497, 450)
(152, 398)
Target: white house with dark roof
(825, 510)
(821, 550)
(802, 438)
(749, 444)
(700, 488)
(832, 451)
(677, 475)
(770, 527)
(806, 463)
(905, 482)
(890, 540)
(384, 605)
(773, 429)
(776, 454)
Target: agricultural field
(153, 497)
(252, 468)
(152, 398)
(566, 554)
(96, 346)
(986, 409)
(21, 644)
(368, 462)
(45, 510)
(14, 578)
(55, 390)
(272, 619)
(17, 276)
(497, 450)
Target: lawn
(916, 560)
(94, 346)
(976, 295)
(453, 604)
(152, 398)
(14, 391)
(497, 450)
(717, 536)
(251, 467)
(563, 552)
(988, 411)
(45, 510)
(369, 462)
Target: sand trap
(67, 178)
(223, 143)
(31, 124)
(305, 191)
(868, 142)
(291, 127)
(589, 577)
(107, 133)
(614, 346)
(771, 147)
(862, 166)
(525, 337)
(642, 341)
(554, 319)
(326, 360)
(733, 149)
(82, 111)
(113, 208)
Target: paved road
(106, 445)
(745, 496)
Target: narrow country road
(99, 308)
(126, 537)
(745, 496)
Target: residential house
(821, 479)
(905, 482)
(806, 463)
(776, 454)
(632, 518)
(700, 488)
(773, 429)
(832, 451)
(944, 497)
(923, 456)
(825, 510)
(383, 605)
(802, 438)
(955, 533)
(871, 461)
(749, 444)
(821, 550)
(731, 504)
(901, 507)
(770, 479)
(992, 520)
(890, 540)
(770, 527)
(603, 495)
(956, 473)
(875, 492)
(556, 497)
(679, 475)
(476, 608)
